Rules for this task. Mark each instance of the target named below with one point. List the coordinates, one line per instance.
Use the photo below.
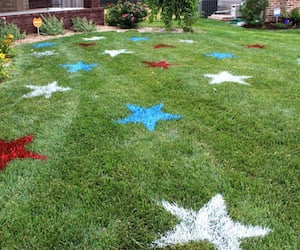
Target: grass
(101, 183)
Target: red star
(161, 45)
(161, 64)
(86, 44)
(15, 149)
(258, 46)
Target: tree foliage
(253, 11)
(184, 11)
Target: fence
(208, 7)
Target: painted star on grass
(85, 45)
(219, 55)
(78, 66)
(256, 45)
(94, 38)
(15, 149)
(45, 53)
(42, 45)
(162, 45)
(225, 76)
(185, 41)
(138, 39)
(298, 60)
(44, 90)
(210, 223)
(160, 64)
(116, 52)
(148, 116)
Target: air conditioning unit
(235, 10)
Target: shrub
(184, 11)
(125, 14)
(6, 44)
(295, 16)
(253, 11)
(11, 29)
(83, 25)
(5, 49)
(52, 26)
(3, 71)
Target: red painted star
(15, 149)
(161, 64)
(161, 45)
(87, 44)
(258, 46)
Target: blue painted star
(220, 55)
(78, 66)
(138, 39)
(42, 45)
(148, 116)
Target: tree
(253, 11)
(184, 11)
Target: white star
(94, 38)
(44, 90)
(116, 52)
(210, 223)
(186, 41)
(298, 60)
(45, 53)
(225, 76)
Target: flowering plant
(125, 14)
(5, 46)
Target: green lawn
(103, 182)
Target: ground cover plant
(99, 150)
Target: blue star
(148, 116)
(220, 55)
(78, 66)
(137, 39)
(42, 45)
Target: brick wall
(8, 5)
(91, 3)
(284, 5)
(24, 21)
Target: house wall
(91, 11)
(16, 5)
(24, 21)
(8, 5)
(284, 5)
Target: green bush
(52, 26)
(184, 11)
(253, 11)
(11, 29)
(5, 52)
(295, 16)
(83, 25)
(125, 14)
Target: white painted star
(210, 223)
(44, 90)
(186, 41)
(45, 53)
(116, 52)
(94, 38)
(225, 76)
(298, 60)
